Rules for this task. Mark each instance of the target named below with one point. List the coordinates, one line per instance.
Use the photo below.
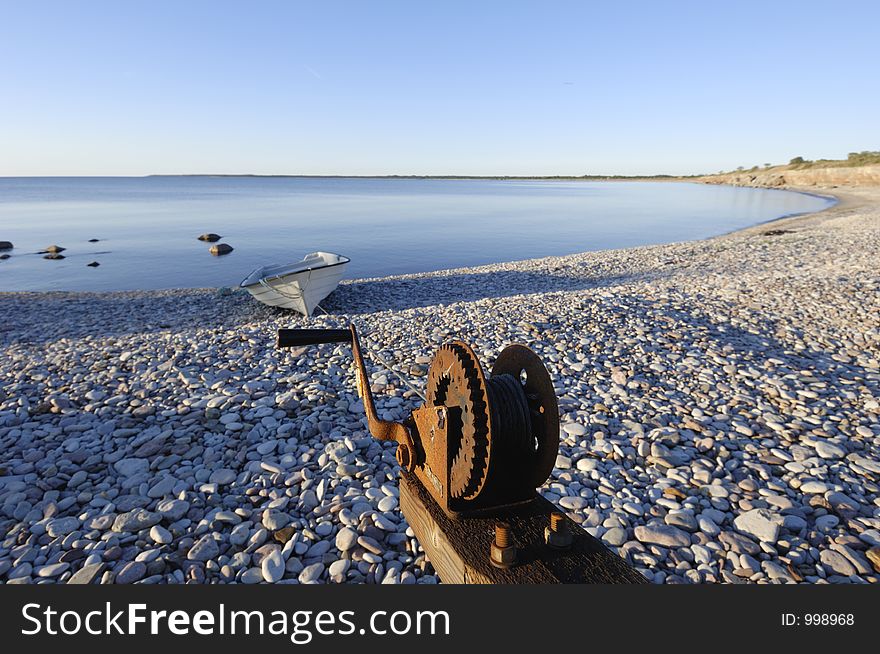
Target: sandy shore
(720, 405)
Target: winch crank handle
(383, 430)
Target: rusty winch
(479, 443)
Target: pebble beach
(719, 403)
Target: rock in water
(5, 245)
(220, 248)
(54, 249)
(94, 240)
(4, 256)
(210, 237)
(93, 264)
(53, 255)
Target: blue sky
(132, 88)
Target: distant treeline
(496, 177)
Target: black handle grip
(299, 337)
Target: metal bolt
(557, 534)
(502, 534)
(502, 552)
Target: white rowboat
(299, 286)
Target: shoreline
(843, 200)
(719, 404)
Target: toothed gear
(455, 380)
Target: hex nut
(502, 557)
(558, 539)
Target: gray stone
(160, 535)
(370, 544)
(587, 465)
(662, 535)
(339, 567)
(837, 563)
(252, 576)
(52, 570)
(311, 573)
(860, 563)
(760, 523)
(274, 520)
(708, 527)
(318, 549)
(62, 526)
(263, 551)
(828, 450)
(842, 503)
(272, 567)
(131, 572)
(775, 571)
(615, 536)
(574, 429)
(794, 523)
(162, 487)
(135, 520)
(873, 555)
(387, 504)
(204, 549)
(86, 574)
(172, 510)
(826, 522)
(682, 520)
(131, 467)
(739, 543)
(20, 571)
(563, 462)
(346, 539)
(223, 476)
(572, 503)
(813, 487)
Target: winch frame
(430, 439)
(509, 533)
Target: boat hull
(300, 291)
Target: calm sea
(148, 226)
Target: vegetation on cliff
(853, 159)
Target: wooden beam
(459, 549)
